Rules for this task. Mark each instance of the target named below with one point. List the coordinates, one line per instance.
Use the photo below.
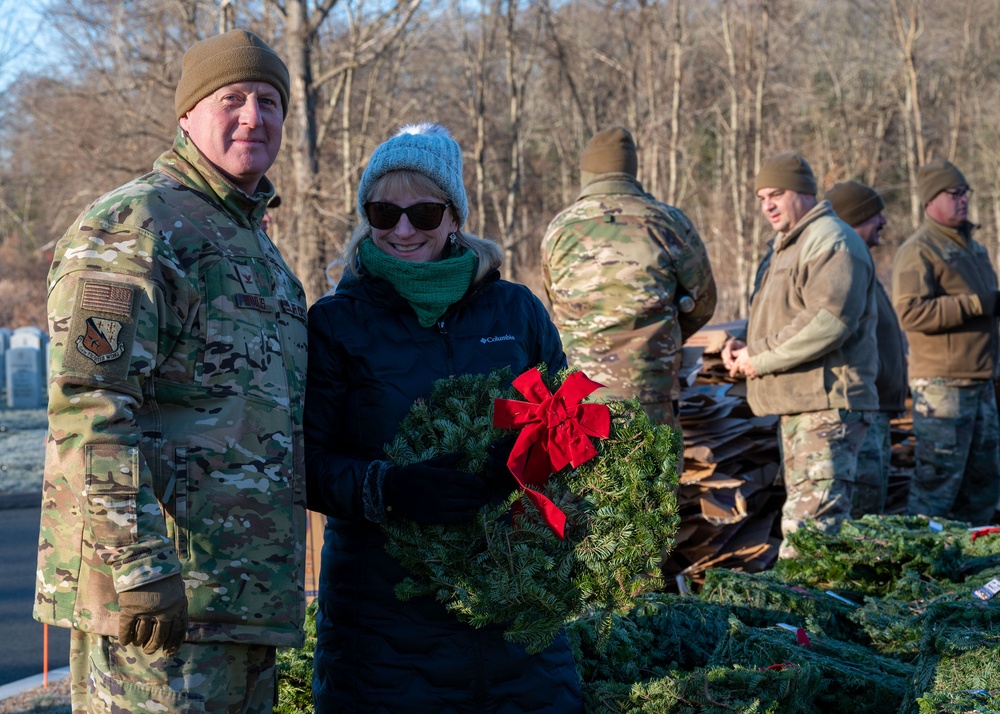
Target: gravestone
(5, 333)
(26, 368)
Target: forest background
(865, 89)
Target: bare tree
(906, 16)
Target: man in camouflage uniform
(628, 278)
(810, 352)
(945, 293)
(173, 514)
(860, 207)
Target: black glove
(153, 616)
(499, 480)
(991, 304)
(433, 491)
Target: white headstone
(27, 368)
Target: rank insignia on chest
(247, 279)
(99, 343)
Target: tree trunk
(308, 241)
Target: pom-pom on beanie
(425, 148)
(937, 176)
(786, 171)
(854, 202)
(235, 56)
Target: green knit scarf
(430, 288)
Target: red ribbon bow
(559, 425)
(983, 531)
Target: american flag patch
(102, 297)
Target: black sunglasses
(422, 216)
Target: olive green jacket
(811, 332)
(891, 380)
(941, 278)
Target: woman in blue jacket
(419, 301)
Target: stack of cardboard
(731, 492)
(729, 500)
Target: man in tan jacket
(810, 352)
(944, 290)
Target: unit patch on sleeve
(100, 343)
(102, 329)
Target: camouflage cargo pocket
(108, 695)
(111, 494)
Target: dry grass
(53, 699)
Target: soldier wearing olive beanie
(628, 278)
(861, 206)
(235, 56)
(809, 354)
(944, 289)
(186, 293)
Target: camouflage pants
(872, 483)
(109, 678)
(958, 459)
(819, 452)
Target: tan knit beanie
(236, 56)
(610, 150)
(854, 202)
(937, 176)
(787, 171)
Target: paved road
(20, 636)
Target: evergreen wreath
(508, 567)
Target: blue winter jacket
(369, 360)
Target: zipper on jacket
(449, 352)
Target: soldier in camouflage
(809, 354)
(860, 207)
(628, 278)
(173, 514)
(945, 293)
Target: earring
(453, 238)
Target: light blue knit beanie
(426, 148)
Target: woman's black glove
(433, 491)
(499, 480)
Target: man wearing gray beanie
(628, 277)
(809, 354)
(173, 517)
(861, 206)
(944, 289)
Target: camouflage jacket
(178, 360)
(811, 332)
(615, 264)
(938, 277)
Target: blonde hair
(489, 255)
